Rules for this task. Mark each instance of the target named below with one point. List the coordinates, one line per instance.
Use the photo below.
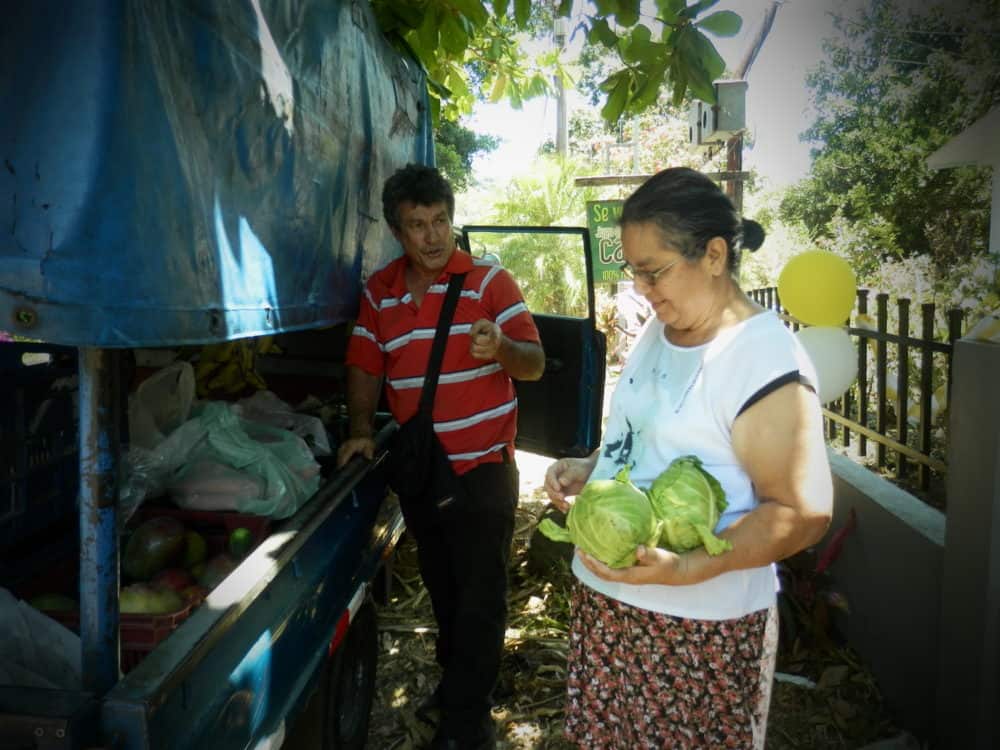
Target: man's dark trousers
(463, 556)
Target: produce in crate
(195, 595)
(155, 544)
(145, 599)
(195, 549)
(177, 579)
(216, 568)
(240, 543)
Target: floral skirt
(639, 679)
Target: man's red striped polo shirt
(475, 409)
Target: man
(463, 556)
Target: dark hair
(418, 184)
(689, 209)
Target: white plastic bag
(279, 460)
(161, 404)
(265, 407)
(210, 485)
(35, 650)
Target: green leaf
(680, 80)
(612, 110)
(499, 88)
(692, 11)
(722, 23)
(438, 89)
(435, 105)
(708, 57)
(494, 51)
(638, 48)
(698, 52)
(474, 11)
(609, 83)
(457, 83)
(403, 15)
(691, 59)
(537, 86)
(601, 33)
(699, 83)
(500, 8)
(565, 9)
(514, 95)
(606, 7)
(628, 12)
(648, 90)
(669, 10)
(429, 32)
(522, 12)
(453, 36)
(554, 532)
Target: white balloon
(834, 356)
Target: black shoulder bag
(419, 470)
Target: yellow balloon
(818, 288)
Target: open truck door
(560, 414)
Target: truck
(189, 175)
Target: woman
(678, 650)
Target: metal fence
(906, 419)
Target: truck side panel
(243, 661)
(193, 171)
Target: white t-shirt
(673, 401)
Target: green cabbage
(608, 520)
(688, 502)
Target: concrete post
(968, 697)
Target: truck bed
(244, 660)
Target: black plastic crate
(39, 469)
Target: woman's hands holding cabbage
(609, 519)
(629, 535)
(652, 565)
(567, 477)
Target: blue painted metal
(99, 450)
(194, 171)
(230, 675)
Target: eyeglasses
(647, 277)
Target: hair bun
(753, 235)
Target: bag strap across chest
(440, 340)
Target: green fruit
(143, 599)
(156, 544)
(240, 543)
(195, 549)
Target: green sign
(605, 240)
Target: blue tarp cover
(193, 171)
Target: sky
(777, 98)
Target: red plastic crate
(140, 634)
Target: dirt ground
(824, 697)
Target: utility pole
(560, 28)
(734, 146)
